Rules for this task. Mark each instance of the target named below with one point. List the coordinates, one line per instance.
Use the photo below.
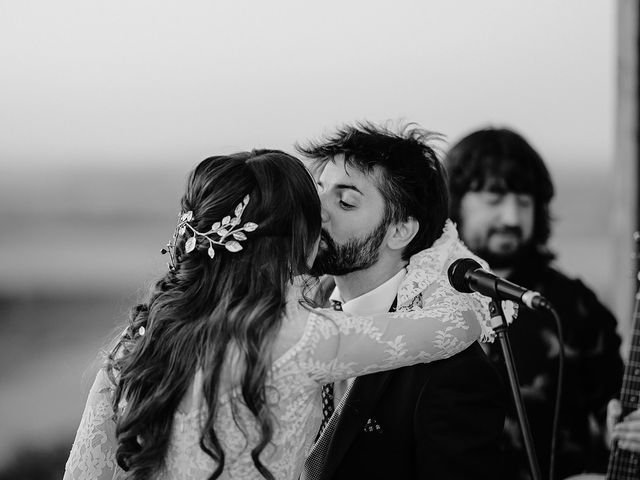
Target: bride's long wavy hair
(195, 313)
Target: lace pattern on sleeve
(430, 267)
(93, 453)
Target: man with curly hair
(500, 195)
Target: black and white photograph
(332, 240)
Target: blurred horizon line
(99, 232)
(65, 164)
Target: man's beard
(509, 260)
(356, 254)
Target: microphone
(466, 276)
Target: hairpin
(227, 230)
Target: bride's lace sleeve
(438, 324)
(94, 448)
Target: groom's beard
(356, 254)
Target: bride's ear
(400, 234)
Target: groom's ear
(400, 234)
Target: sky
(147, 82)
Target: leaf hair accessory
(227, 230)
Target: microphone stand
(499, 324)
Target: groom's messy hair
(407, 171)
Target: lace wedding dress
(432, 322)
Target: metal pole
(501, 331)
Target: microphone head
(458, 271)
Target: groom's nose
(324, 214)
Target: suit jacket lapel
(357, 407)
(360, 401)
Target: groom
(384, 199)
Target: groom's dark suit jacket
(441, 420)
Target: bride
(219, 373)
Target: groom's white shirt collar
(374, 301)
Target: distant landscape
(78, 248)
(100, 230)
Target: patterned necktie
(316, 462)
(327, 390)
